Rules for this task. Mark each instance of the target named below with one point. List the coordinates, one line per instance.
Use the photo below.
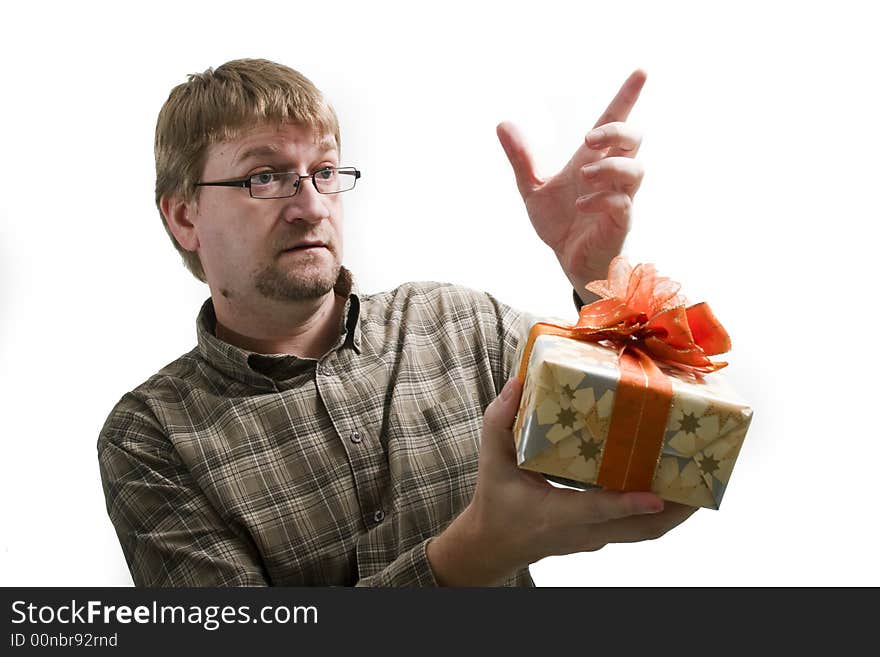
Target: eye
(326, 173)
(263, 178)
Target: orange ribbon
(645, 318)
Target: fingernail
(652, 507)
(595, 137)
(507, 391)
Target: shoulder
(434, 299)
(137, 417)
(438, 312)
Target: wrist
(580, 276)
(464, 554)
(579, 285)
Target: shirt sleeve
(410, 569)
(583, 299)
(506, 328)
(170, 533)
(511, 330)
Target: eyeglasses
(269, 184)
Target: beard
(284, 284)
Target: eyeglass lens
(275, 185)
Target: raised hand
(583, 212)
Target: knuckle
(611, 165)
(490, 414)
(626, 167)
(615, 506)
(634, 139)
(623, 167)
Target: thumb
(499, 418)
(514, 145)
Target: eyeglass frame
(246, 182)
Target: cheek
(226, 241)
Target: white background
(760, 150)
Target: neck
(307, 329)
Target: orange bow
(643, 310)
(642, 313)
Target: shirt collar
(264, 370)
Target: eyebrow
(270, 150)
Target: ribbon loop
(640, 308)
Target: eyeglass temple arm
(228, 183)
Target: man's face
(245, 243)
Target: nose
(306, 204)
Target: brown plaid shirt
(230, 467)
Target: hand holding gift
(516, 517)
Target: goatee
(283, 285)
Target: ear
(177, 215)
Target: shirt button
(379, 516)
(355, 437)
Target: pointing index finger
(620, 107)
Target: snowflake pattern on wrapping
(565, 416)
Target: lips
(305, 245)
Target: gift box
(602, 406)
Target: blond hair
(218, 105)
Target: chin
(278, 285)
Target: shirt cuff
(410, 569)
(578, 302)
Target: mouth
(305, 246)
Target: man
(319, 436)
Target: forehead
(286, 140)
